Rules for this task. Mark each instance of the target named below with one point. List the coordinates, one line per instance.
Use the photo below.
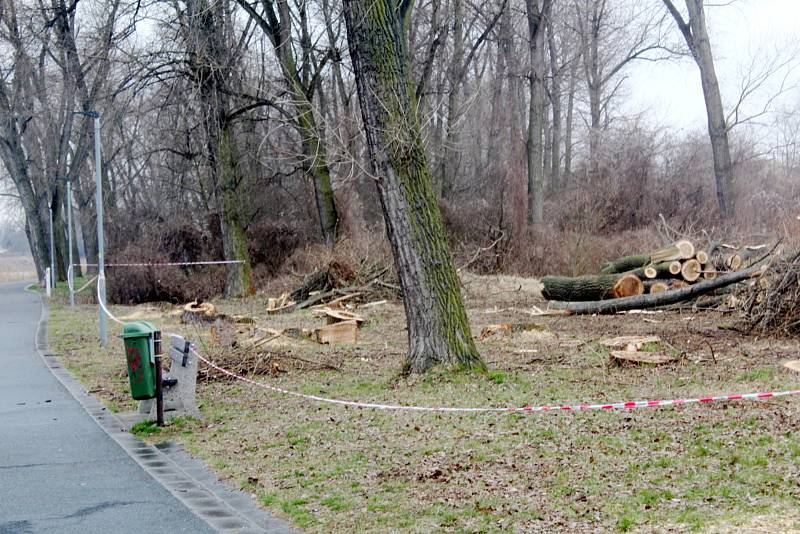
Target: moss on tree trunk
(213, 76)
(238, 281)
(438, 329)
(316, 167)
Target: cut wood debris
(509, 328)
(337, 316)
(340, 333)
(627, 341)
(772, 305)
(637, 357)
(281, 304)
(672, 274)
(326, 288)
(195, 312)
(339, 302)
(198, 311)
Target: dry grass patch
(334, 469)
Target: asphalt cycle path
(59, 471)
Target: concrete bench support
(179, 399)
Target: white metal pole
(70, 272)
(101, 270)
(52, 252)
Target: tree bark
(625, 263)
(555, 99)
(591, 287)
(438, 330)
(238, 279)
(695, 33)
(537, 14)
(213, 74)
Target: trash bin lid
(137, 329)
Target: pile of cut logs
(673, 267)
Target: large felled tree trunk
(696, 35)
(438, 330)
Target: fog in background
(748, 37)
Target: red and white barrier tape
(167, 264)
(87, 284)
(522, 410)
(103, 306)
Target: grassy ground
(717, 468)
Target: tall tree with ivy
(438, 330)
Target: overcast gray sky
(745, 30)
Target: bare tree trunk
(315, 167)
(555, 99)
(537, 14)
(547, 132)
(15, 162)
(590, 19)
(515, 198)
(300, 80)
(452, 157)
(696, 35)
(438, 330)
(213, 76)
(238, 280)
(573, 77)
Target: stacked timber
(673, 267)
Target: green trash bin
(140, 355)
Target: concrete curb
(222, 507)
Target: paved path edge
(222, 507)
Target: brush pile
(246, 361)
(772, 304)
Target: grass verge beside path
(720, 467)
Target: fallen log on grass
(591, 287)
(638, 302)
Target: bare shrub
(772, 306)
(181, 242)
(270, 244)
